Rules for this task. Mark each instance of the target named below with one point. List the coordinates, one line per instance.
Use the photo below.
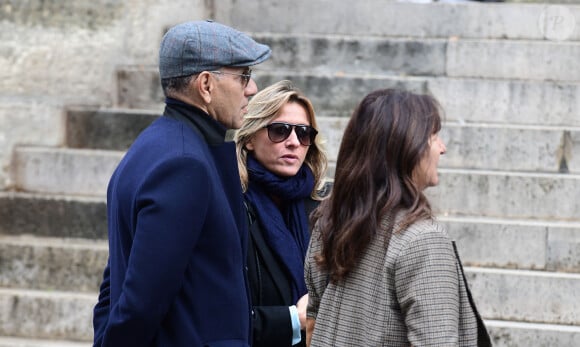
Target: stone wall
(58, 53)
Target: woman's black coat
(270, 289)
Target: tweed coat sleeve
(427, 288)
(315, 278)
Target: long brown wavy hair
(384, 141)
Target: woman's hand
(301, 307)
(309, 329)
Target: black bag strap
(483, 339)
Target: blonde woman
(282, 165)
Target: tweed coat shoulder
(409, 293)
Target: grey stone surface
(52, 215)
(544, 103)
(508, 148)
(26, 120)
(526, 296)
(105, 129)
(516, 244)
(512, 334)
(64, 171)
(392, 18)
(563, 251)
(52, 263)
(513, 59)
(516, 102)
(42, 314)
(56, 53)
(24, 342)
(507, 195)
(355, 55)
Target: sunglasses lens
(278, 132)
(304, 135)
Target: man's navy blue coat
(177, 240)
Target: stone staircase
(507, 76)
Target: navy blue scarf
(285, 232)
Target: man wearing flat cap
(177, 228)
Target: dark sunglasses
(278, 132)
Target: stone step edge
(534, 174)
(102, 246)
(120, 111)
(6, 341)
(151, 68)
(49, 196)
(54, 242)
(442, 217)
(511, 221)
(522, 273)
(258, 35)
(48, 294)
(491, 323)
(442, 169)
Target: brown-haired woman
(380, 270)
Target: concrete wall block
(27, 121)
(46, 315)
(64, 171)
(563, 252)
(496, 147)
(526, 296)
(337, 95)
(504, 59)
(516, 334)
(140, 87)
(493, 243)
(24, 342)
(544, 103)
(53, 216)
(105, 129)
(507, 195)
(52, 263)
(55, 63)
(571, 144)
(332, 54)
(390, 18)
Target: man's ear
(204, 86)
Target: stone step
(24, 342)
(53, 263)
(64, 170)
(468, 192)
(469, 145)
(545, 103)
(391, 18)
(503, 194)
(108, 129)
(50, 263)
(526, 296)
(46, 315)
(516, 334)
(53, 215)
(541, 245)
(503, 59)
(520, 296)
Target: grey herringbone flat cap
(193, 47)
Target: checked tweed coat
(412, 293)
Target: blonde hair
(265, 106)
